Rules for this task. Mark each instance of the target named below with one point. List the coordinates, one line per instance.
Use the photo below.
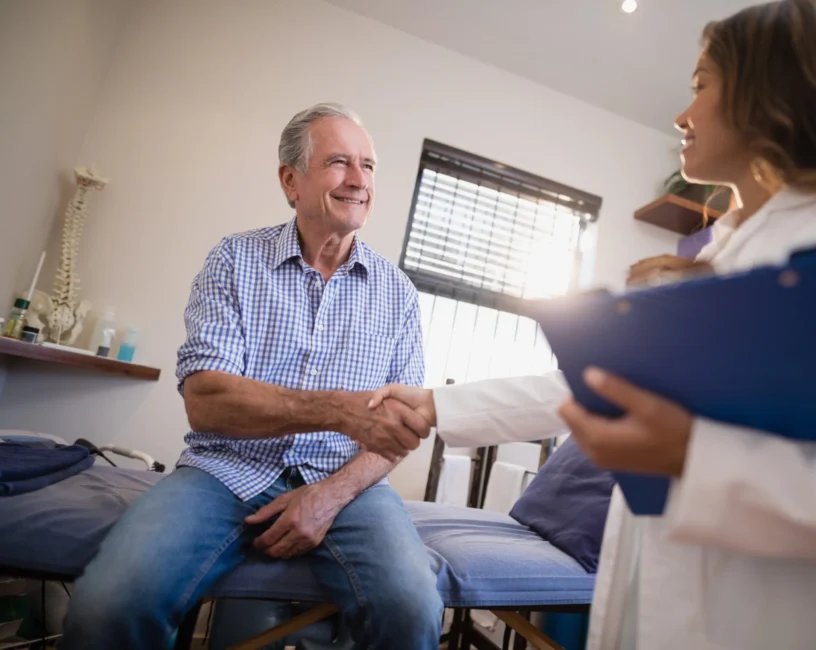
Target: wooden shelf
(21, 350)
(675, 213)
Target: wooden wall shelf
(21, 350)
(675, 213)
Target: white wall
(53, 58)
(187, 130)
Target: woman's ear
(766, 175)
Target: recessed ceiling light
(629, 6)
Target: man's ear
(287, 180)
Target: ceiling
(637, 65)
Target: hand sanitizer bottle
(128, 347)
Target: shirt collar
(725, 231)
(358, 255)
(788, 198)
(288, 247)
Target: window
(482, 241)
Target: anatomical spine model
(65, 316)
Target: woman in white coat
(732, 563)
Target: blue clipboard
(739, 349)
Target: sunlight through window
(484, 239)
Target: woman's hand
(419, 399)
(653, 270)
(651, 438)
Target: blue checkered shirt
(259, 311)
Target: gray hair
(295, 144)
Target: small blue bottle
(128, 347)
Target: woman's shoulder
(794, 205)
(791, 221)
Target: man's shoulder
(383, 269)
(263, 235)
(247, 244)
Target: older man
(289, 329)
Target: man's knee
(407, 603)
(121, 606)
(99, 607)
(119, 589)
(108, 597)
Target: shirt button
(320, 328)
(313, 372)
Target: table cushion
(482, 558)
(490, 560)
(58, 529)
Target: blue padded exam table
(484, 560)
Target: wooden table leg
(317, 613)
(526, 629)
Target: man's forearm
(245, 408)
(359, 474)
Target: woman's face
(712, 151)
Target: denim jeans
(188, 531)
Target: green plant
(676, 184)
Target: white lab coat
(732, 563)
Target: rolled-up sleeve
(408, 364)
(215, 337)
(746, 491)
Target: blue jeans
(188, 531)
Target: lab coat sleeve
(746, 491)
(496, 411)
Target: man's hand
(654, 270)
(419, 399)
(391, 429)
(306, 514)
(651, 438)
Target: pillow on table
(566, 504)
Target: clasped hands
(650, 438)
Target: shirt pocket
(366, 360)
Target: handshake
(390, 421)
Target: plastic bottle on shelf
(106, 321)
(128, 347)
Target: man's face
(337, 189)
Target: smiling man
(289, 330)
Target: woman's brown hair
(767, 57)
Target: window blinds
(491, 235)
